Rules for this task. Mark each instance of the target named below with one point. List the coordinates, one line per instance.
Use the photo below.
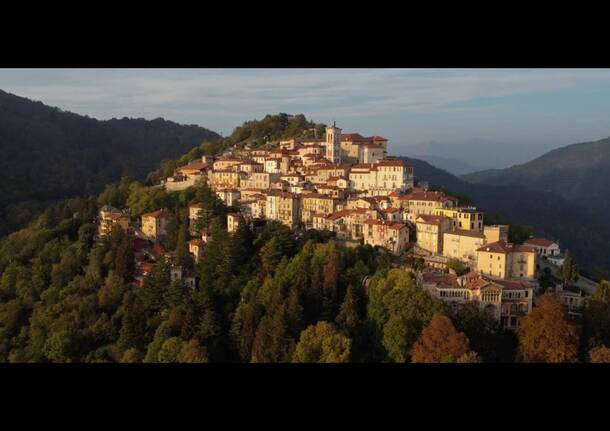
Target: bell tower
(333, 143)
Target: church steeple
(333, 143)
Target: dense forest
(264, 295)
(49, 154)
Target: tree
(483, 332)
(322, 343)
(440, 342)
(111, 293)
(469, 358)
(348, 317)
(459, 268)
(132, 356)
(599, 355)
(124, 260)
(545, 335)
(182, 256)
(596, 315)
(568, 271)
(192, 352)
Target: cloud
(222, 98)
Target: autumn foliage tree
(440, 342)
(322, 343)
(599, 355)
(546, 335)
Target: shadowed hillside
(49, 154)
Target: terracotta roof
(389, 224)
(422, 195)
(159, 214)
(197, 205)
(354, 137)
(196, 166)
(540, 242)
(441, 280)
(392, 210)
(197, 242)
(504, 247)
(431, 219)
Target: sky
(540, 107)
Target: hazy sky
(408, 106)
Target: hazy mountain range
(465, 156)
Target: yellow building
(226, 164)
(422, 202)
(506, 260)
(464, 218)
(225, 178)
(430, 230)
(259, 180)
(154, 224)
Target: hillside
(547, 213)
(579, 173)
(480, 152)
(49, 154)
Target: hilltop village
(346, 183)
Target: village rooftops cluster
(346, 184)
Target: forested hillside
(268, 295)
(49, 154)
(579, 173)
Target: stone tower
(333, 143)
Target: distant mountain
(582, 231)
(579, 173)
(480, 153)
(453, 166)
(49, 154)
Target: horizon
(529, 111)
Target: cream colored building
(382, 178)
(260, 180)
(506, 260)
(422, 202)
(154, 224)
(316, 203)
(430, 230)
(196, 248)
(389, 235)
(505, 300)
(495, 233)
(227, 164)
(225, 178)
(234, 220)
(230, 197)
(109, 216)
(462, 245)
(283, 207)
(543, 247)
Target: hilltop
(49, 154)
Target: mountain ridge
(52, 154)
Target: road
(586, 285)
